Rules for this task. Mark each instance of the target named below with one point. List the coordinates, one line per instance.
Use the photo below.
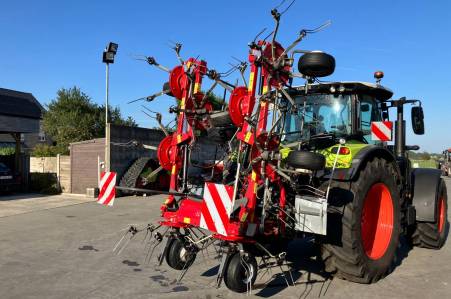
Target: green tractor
(338, 142)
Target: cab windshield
(318, 114)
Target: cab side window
(369, 112)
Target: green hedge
(46, 183)
(7, 151)
(424, 163)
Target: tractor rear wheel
(433, 235)
(364, 224)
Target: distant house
(21, 118)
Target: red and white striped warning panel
(107, 190)
(381, 130)
(216, 207)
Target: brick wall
(83, 161)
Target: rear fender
(426, 183)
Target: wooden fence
(60, 165)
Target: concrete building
(20, 127)
(20, 110)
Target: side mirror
(417, 120)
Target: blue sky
(46, 45)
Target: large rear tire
(132, 174)
(433, 235)
(364, 224)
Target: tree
(73, 117)
(215, 100)
(7, 151)
(425, 156)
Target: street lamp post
(107, 58)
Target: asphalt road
(54, 251)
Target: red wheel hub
(164, 151)
(377, 221)
(177, 79)
(441, 214)
(238, 104)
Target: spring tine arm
(157, 94)
(120, 245)
(125, 245)
(177, 49)
(184, 270)
(243, 78)
(302, 34)
(151, 60)
(226, 85)
(154, 172)
(140, 99)
(163, 68)
(204, 98)
(159, 118)
(120, 241)
(294, 44)
(151, 97)
(289, 98)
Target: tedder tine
(120, 245)
(164, 251)
(222, 268)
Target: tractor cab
(337, 109)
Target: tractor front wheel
(433, 235)
(364, 224)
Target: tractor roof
(378, 91)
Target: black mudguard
(426, 183)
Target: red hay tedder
(295, 161)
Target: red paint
(238, 105)
(164, 152)
(177, 80)
(377, 221)
(441, 214)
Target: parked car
(6, 178)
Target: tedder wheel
(364, 224)
(316, 64)
(306, 160)
(433, 235)
(239, 275)
(178, 257)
